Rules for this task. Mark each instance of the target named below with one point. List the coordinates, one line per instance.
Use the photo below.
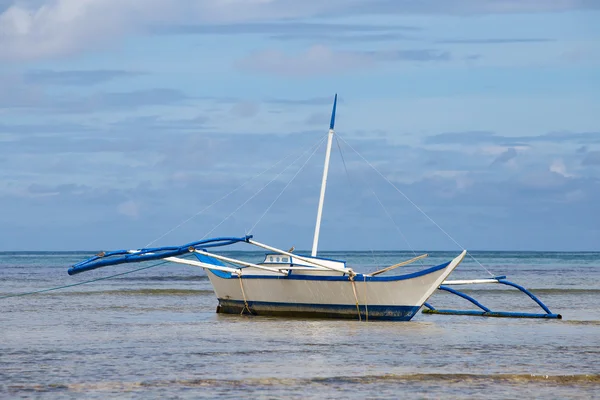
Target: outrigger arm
(486, 312)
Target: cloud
(462, 137)
(483, 137)
(505, 157)
(24, 130)
(312, 101)
(495, 41)
(152, 176)
(468, 7)
(296, 30)
(344, 38)
(591, 158)
(288, 28)
(129, 136)
(47, 29)
(51, 28)
(558, 167)
(322, 60)
(60, 27)
(129, 208)
(31, 97)
(14, 93)
(75, 78)
(317, 119)
(119, 100)
(245, 109)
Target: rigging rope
(382, 206)
(394, 222)
(350, 180)
(286, 186)
(261, 189)
(222, 198)
(84, 282)
(411, 202)
(178, 226)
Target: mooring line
(82, 283)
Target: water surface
(155, 334)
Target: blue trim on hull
(357, 278)
(336, 311)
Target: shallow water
(155, 334)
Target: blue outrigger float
(290, 284)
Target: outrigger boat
(290, 284)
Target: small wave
(164, 278)
(582, 322)
(141, 292)
(465, 379)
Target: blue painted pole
(157, 253)
(466, 297)
(527, 292)
(489, 313)
(332, 122)
(499, 314)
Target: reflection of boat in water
(289, 284)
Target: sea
(154, 333)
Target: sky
(122, 121)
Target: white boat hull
(396, 297)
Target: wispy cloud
(313, 101)
(292, 30)
(468, 7)
(495, 41)
(558, 167)
(323, 60)
(591, 158)
(92, 103)
(505, 157)
(47, 29)
(345, 38)
(483, 137)
(289, 28)
(245, 109)
(76, 78)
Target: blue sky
(121, 119)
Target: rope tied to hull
(244, 296)
(366, 307)
(355, 296)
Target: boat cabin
(303, 265)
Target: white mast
(324, 181)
